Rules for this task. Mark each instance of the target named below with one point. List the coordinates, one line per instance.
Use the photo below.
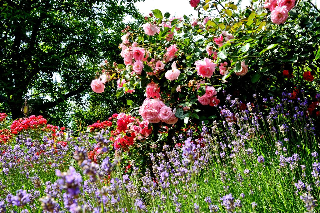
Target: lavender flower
(260, 159)
(70, 181)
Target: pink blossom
(205, 68)
(138, 53)
(97, 86)
(150, 29)
(159, 65)
(194, 23)
(137, 67)
(223, 69)
(204, 100)
(209, 50)
(279, 15)
(288, 3)
(125, 37)
(126, 53)
(120, 83)
(172, 120)
(214, 101)
(178, 89)
(169, 36)
(153, 90)
(172, 74)
(271, 4)
(171, 51)
(194, 3)
(219, 41)
(165, 113)
(215, 55)
(227, 35)
(150, 110)
(244, 69)
(205, 20)
(105, 77)
(210, 91)
(134, 44)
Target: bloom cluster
(279, 9)
(154, 111)
(124, 129)
(33, 122)
(209, 98)
(2, 116)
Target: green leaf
(167, 15)
(245, 48)
(318, 54)
(157, 13)
(255, 77)
(179, 113)
(271, 46)
(129, 102)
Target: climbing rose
(138, 53)
(204, 100)
(97, 86)
(194, 3)
(137, 67)
(271, 4)
(244, 69)
(210, 91)
(307, 76)
(279, 15)
(219, 41)
(172, 74)
(153, 90)
(159, 65)
(165, 113)
(205, 68)
(288, 3)
(171, 51)
(150, 29)
(150, 110)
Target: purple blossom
(260, 159)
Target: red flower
(307, 76)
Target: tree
(42, 41)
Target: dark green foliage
(43, 41)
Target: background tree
(50, 50)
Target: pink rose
(105, 77)
(172, 120)
(138, 53)
(169, 36)
(279, 15)
(120, 83)
(125, 37)
(137, 67)
(219, 41)
(165, 113)
(271, 4)
(194, 3)
(150, 110)
(178, 89)
(244, 69)
(153, 90)
(97, 86)
(223, 69)
(288, 3)
(159, 65)
(171, 51)
(172, 74)
(227, 35)
(214, 101)
(205, 20)
(209, 50)
(204, 100)
(210, 91)
(205, 68)
(150, 29)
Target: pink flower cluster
(194, 3)
(224, 35)
(172, 74)
(154, 111)
(209, 98)
(244, 69)
(153, 90)
(171, 53)
(150, 29)
(279, 9)
(97, 85)
(205, 68)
